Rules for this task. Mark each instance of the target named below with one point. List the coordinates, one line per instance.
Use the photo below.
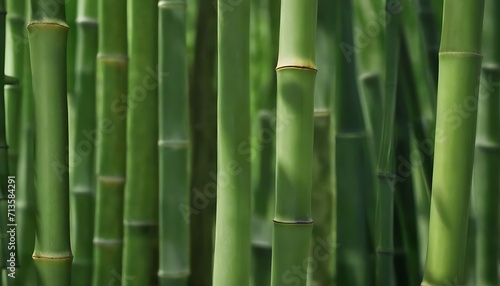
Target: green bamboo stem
(430, 35)
(487, 154)
(355, 198)
(263, 199)
(14, 58)
(460, 63)
(25, 203)
(372, 93)
(384, 273)
(83, 183)
(47, 38)
(26, 176)
(233, 224)
(111, 87)
(173, 143)
(4, 157)
(296, 74)
(203, 119)
(421, 68)
(141, 190)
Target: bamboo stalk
(203, 119)
(460, 63)
(355, 208)
(14, 58)
(173, 143)
(233, 211)
(83, 183)
(47, 35)
(296, 74)
(141, 190)
(487, 154)
(384, 275)
(111, 90)
(25, 200)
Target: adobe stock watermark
(201, 198)
(297, 274)
(364, 36)
(86, 146)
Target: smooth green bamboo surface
(173, 143)
(355, 208)
(83, 180)
(487, 154)
(14, 57)
(384, 272)
(296, 74)
(203, 124)
(141, 190)
(486, 186)
(233, 214)
(47, 38)
(111, 133)
(459, 71)
(25, 201)
(372, 94)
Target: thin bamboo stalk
(14, 66)
(487, 154)
(141, 190)
(47, 36)
(173, 143)
(203, 119)
(296, 74)
(83, 183)
(233, 223)
(459, 70)
(25, 200)
(384, 273)
(111, 151)
(355, 198)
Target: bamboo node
(111, 179)
(86, 21)
(170, 274)
(295, 222)
(170, 3)
(173, 143)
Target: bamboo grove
(250, 142)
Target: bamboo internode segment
(459, 71)
(48, 37)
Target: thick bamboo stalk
(233, 223)
(83, 182)
(173, 143)
(487, 154)
(141, 190)
(203, 125)
(47, 38)
(459, 70)
(14, 58)
(296, 74)
(111, 91)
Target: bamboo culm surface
(459, 71)
(47, 39)
(173, 144)
(111, 88)
(83, 180)
(296, 74)
(141, 190)
(233, 223)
